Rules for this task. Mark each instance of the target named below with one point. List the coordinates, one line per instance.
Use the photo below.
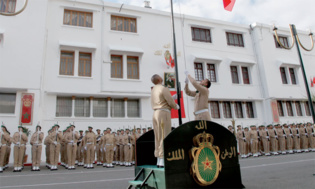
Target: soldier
(109, 147)
(248, 142)
(254, 140)
(103, 148)
(54, 145)
(149, 129)
(63, 158)
(84, 150)
(311, 137)
(138, 133)
(19, 140)
(71, 139)
(296, 139)
(98, 147)
(201, 96)
(304, 138)
(4, 139)
(282, 136)
(90, 145)
(79, 148)
(273, 140)
(264, 135)
(121, 148)
(162, 103)
(144, 130)
(8, 151)
(289, 138)
(36, 142)
(117, 151)
(241, 141)
(47, 149)
(126, 140)
(133, 146)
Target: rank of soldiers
(70, 147)
(275, 139)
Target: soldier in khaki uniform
(254, 140)
(273, 140)
(109, 147)
(63, 161)
(102, 148)
(201, 97)
(98, 147)
(8, 148)
(79, 149)
(162, 103)
(36, 142)
(281, 138)
(126, 140)
(90, 145)
(304, 138)
(47, 149)
(311, 137)
(264, 135)
(144, 130)
(54, 140)
(121, 148)
(117, 151)
(4, 139)
(19, 140)
(133, 146)
(296, 139)
(241, 141)
(289, 140)
(71, 139)
(248, 142)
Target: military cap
(108, 128)
(127, 129)
(80, 130)
(253, 126)
(56, 125)
(90, 127)
(38, 126)
(98, 129)
(20, 126)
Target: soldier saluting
(36, 142)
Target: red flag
(228, 4)
(174, 113)
(312, 81)
(27, 108)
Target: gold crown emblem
(27, 102)
(202, 139)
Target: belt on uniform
(109, 144)
(3, 145)
(20, 145)
(164, 109)
(89, 143)
(200, 111)
(37, 144)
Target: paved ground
(289, 171)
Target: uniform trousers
(159, 117)
(109, 153)
(304, 142)
(289, 143)
(3, 150)
(127, 149)
(47, 150)
(104, 154)
(7, 156)
(36, 155)
(122, 154)
(18, 155)
(54, 154)
(71, 153)
(98, 153)
(273, 144)
(254, 146)
(266, 145)
(282, 143)
(296, 142)
(90, 154)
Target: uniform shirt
(295, 132)
(5, 138)
(117, 137)
(247, 136)
(302, 132)
(239, 135)
(98, 139)
(70, 136)
(46, 140)
(90, 137)
(126, 139)
(110, 139)
(37, 137)
(55, 137)
(201, 98)
(310, 130)
(288, 132)
(253, 135)
(19, 138)
(263, 134)
(280, 133)
(272, 133)
(161, 98)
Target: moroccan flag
(312, 81)
(174, 113)
(27, 108)
(228, 4)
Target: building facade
(90, 62)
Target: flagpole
(176, 68)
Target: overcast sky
(279, 12)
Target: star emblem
(26, 115)
(207, 164)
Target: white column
(125, 101)
(124, 66)
(240, 75)
(287, 74)
(91, 107)
(221, 110)
(109, 104)
(294, 109)
(244, 110)
(303, 108)
(76, 63)
(209, 107)
(285, 110)
(73, 101)
(233, 110)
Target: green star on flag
(26, 115)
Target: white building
(90, 62)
